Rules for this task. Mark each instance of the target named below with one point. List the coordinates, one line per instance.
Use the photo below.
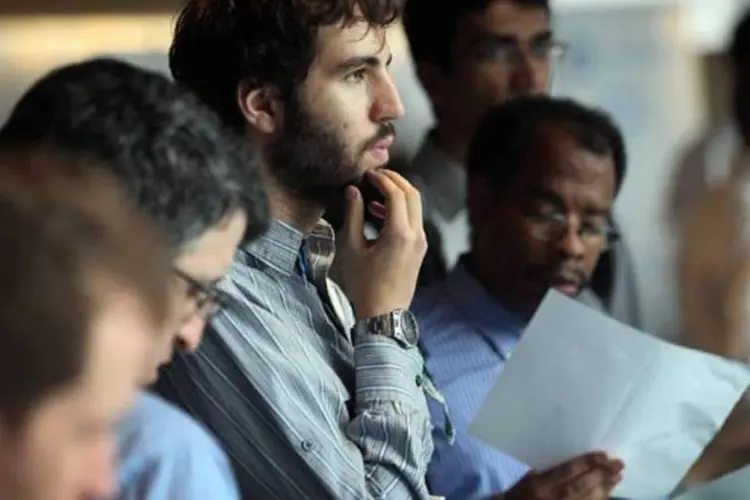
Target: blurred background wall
(654, 64)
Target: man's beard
(309, 159)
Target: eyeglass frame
(547, 48)
(208, 299)
(557, 222)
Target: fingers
(354, 223)
(395, 201)
(577, 466)
(574, 467)
(595, 484)
(413, 198)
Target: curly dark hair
(219, 44)
(739, 56)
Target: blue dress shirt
(466, 337)
(163, 454)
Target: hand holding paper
(590, 477)
(579, 381)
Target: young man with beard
(543, 175)
(471, 55)
(85, 283)
(197, 181)
(312, 398)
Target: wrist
(367, 311)
(371, 312)
(398, 324)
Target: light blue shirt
(164, 454)
(466, 338)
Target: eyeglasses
(553, 227)
(208, 299)
(512, 53)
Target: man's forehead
(555, 154)
(360, 39)
(505, 18)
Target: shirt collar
(280, 247)
(444, 177)
(499, 326)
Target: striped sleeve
(281, 411)
(391, 425)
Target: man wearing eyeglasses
(198, 182)
(542, 177)
(470, 56)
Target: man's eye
(356, 76)
(592, 228)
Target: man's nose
(527, 76)
(386, 105)
(571, 244)
(190, 332)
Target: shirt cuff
(387, 372)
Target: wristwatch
(400, 325)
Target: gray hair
(182, 167)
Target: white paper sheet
(579, 381)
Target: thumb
(354, 222)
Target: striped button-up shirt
(303, 410)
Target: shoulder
(155, 427)
(438, 317)
(165, 454)
(430, 300)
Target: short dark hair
(739, 56)
(183, 168)
(431, 25)
(219, 44)
(509, 131)
(739, 48)
(65, 229)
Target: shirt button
(307, 445)
(419, 380)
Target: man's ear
(261, 106)
(479, 197)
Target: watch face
(409, 327)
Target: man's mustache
(385, 130)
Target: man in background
(712, 159)
(85, 284)
(471, 55)
(542, 178)
(200, 185)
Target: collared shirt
(466, 339)
(304, 410)
(163, 454)
(442, 182)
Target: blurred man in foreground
(84, 285)
(201, 186)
